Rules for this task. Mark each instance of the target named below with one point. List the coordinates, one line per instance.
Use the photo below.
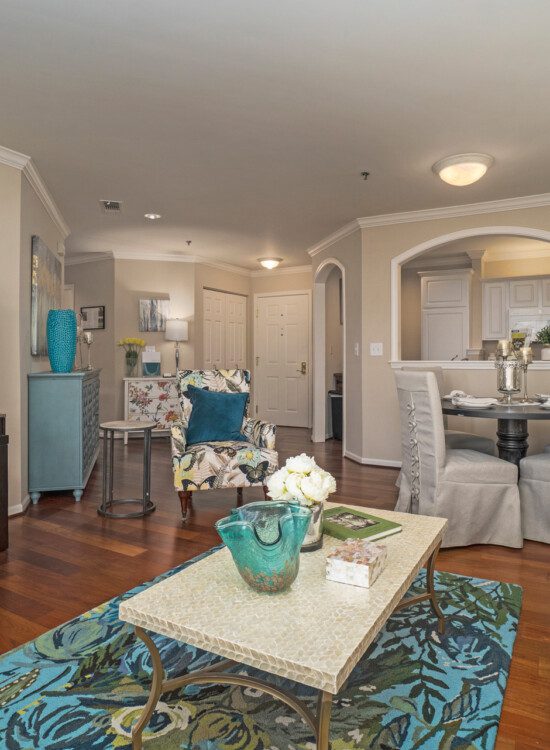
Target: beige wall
(94, 284)
(22, 215)
(411, 314)
(380, 245)
(503, 269)
(143, 279)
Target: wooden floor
(64, 559)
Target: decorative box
(357, 562)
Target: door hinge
(257, 361)
(257, 312)
(256, 408)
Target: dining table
(512, 423)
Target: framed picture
(93, 318)
(45, 292)
(153, 314)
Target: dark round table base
(144, 510)
(512, 440)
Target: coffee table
(314, 633)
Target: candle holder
(88, 338)
(526, 358)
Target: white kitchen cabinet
(524, 293)
(445, 300)
(545, 293)
(495, 310)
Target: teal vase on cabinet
(264, 539)
(61, 335)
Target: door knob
(303, 368)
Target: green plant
(543, 336)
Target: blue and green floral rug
(83, 684)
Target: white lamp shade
(177, 330)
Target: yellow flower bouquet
(132, 348)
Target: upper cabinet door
(525, 293)
(445, 290)
(546, 293)
(495, 310)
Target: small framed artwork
(153, 314)
(93, 318)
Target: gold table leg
(430, 594)
(320, 723)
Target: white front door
(281, 375)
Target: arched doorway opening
(430, 245)
(325, 363)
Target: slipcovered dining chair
(224, 464)
(534, 491)
(477, 493)
(457, 438)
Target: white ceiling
(247, 123)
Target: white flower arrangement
(300, 479)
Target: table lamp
(177, 330)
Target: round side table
(107, 502)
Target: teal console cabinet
(63, 430)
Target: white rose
(329, 479)
(276, 485)
(302, 464)
(293, 486)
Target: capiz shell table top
(314, 633)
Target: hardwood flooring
(64, 559)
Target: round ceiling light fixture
(152, 217)
(462, 169)
(269, 263)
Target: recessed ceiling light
(153, 217)
(269, 263)
(462, 169)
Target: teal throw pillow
(215, 416)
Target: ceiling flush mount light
(462, 169)
(269, 263)
(153, 217)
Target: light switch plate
(376, 350)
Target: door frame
(291, 293)
(318, 434)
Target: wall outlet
(376, 350)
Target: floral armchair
(206, 466)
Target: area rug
(83, 684)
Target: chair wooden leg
(186, 498)
(239, 496)
(264, 488)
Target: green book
(345, 523)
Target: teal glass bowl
(264, 539)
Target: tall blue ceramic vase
(61, 334)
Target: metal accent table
(107, 501)
(512, 425)
(276, 633)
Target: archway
(322, 273)
(423, 247)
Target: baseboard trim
(20, 508)
(367, 461)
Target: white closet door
(235, 349)
(214, 326)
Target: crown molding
(149, 255)
(26, 165)
(281, 271)
(221, 266)
(13, 158)
(449, 212)
(459, 262)
(336, 236)
(494, 256)
(77, 260)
